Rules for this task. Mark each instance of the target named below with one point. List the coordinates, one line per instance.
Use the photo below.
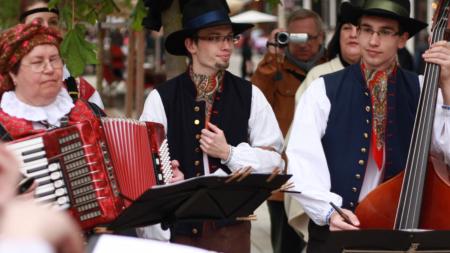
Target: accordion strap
(4, 135)
(96, 110)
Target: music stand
(388, 241)
(199, 198)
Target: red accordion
(96, 169)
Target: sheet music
(120, 244)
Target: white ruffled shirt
(52, 113)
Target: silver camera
(283, 38)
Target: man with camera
(278, 75)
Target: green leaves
(138, 14)
(76, 51)
(274, 3)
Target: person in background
(215, 122)
(343, 50)
(27, 227)
(246, 51)
(38, 11)
(352, 128)
(279, 74)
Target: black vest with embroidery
(186, 119)
(347, 138)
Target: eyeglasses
(312, 37)
(367, 32)
(216, 39)
(39, 66)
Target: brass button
(197, 136)
(194, 231)
(366, 93)
(363, 150)
(197, 163)
(196, 122)
(366, 135)
(354, 189)
(358, 176)
(352, 204)
(196, 108)
(361, 162)
(367, 108)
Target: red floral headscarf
(17, 42)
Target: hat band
(206, 19)
(37, 10)
(388, 6)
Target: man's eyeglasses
(216, 39)
(40, 65)
(367, 32)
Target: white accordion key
(54, 167)
(61, 192)
(33, 156)
(39, 173)
(62, 200)
(56, 175)
(44, 190)
(59, 183)
(30, 167)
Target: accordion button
(196, 108)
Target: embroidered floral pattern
(377, 82)
(206, 88)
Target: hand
(214, 143)
(272, 49)
(177, 174)
(338, 223)
(9, 175)
(439, 53)
(25, 219)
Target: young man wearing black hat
(215, 122)
(354, 126)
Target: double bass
(419, 197)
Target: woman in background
(39, 11)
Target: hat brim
(354, 13)
(175, 41)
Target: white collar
(52, 113)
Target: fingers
(177, 174)
(337, 222)
(175, 164)
(9, 175)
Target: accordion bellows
(96, 169)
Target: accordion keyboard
(48, 175)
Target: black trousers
(318, 239)
(284, 238)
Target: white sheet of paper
(120, 244)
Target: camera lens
(282, 38)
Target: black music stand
(388, 241)
(200, 198)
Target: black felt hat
(199, 14)
(394, 9)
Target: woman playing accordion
(64, 145)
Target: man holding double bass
(352, 129)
